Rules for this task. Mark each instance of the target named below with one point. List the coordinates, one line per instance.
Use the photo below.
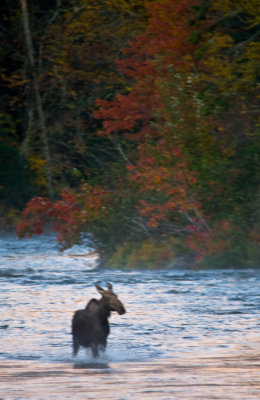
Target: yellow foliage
(84, 43)
(234, 65)
(217, 61)
(37, 166)
(151, 253)
(233, 7)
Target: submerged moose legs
(75, 347)
(95, 348)
(90, 327)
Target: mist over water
(186, 334)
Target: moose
(90, 327)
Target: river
(186, 334)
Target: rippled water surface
(186, 335)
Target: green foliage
(9, 218)
(253, 255)
(7, 128)
(15, 181)
(151, 253)
(16, 186)
(237, 255)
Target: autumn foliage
(185, 127)
(69, 215)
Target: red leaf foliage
(147, 62)
(69, 215)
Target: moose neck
(104, 309)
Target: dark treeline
(134, 124)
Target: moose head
(110, 299)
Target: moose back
(90, 327)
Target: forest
(133, 126)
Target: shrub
(150, 254)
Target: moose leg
(94, 348)
(103, 346)
(75, 347)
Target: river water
(186, 334)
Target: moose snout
(122, 310)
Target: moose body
(90, 327)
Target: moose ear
(99, 289)
(109, 286)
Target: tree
(186, 129)
(38, 97)
(64, 62)
(78, 50)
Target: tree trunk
(39, 106)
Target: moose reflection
(90, 327)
